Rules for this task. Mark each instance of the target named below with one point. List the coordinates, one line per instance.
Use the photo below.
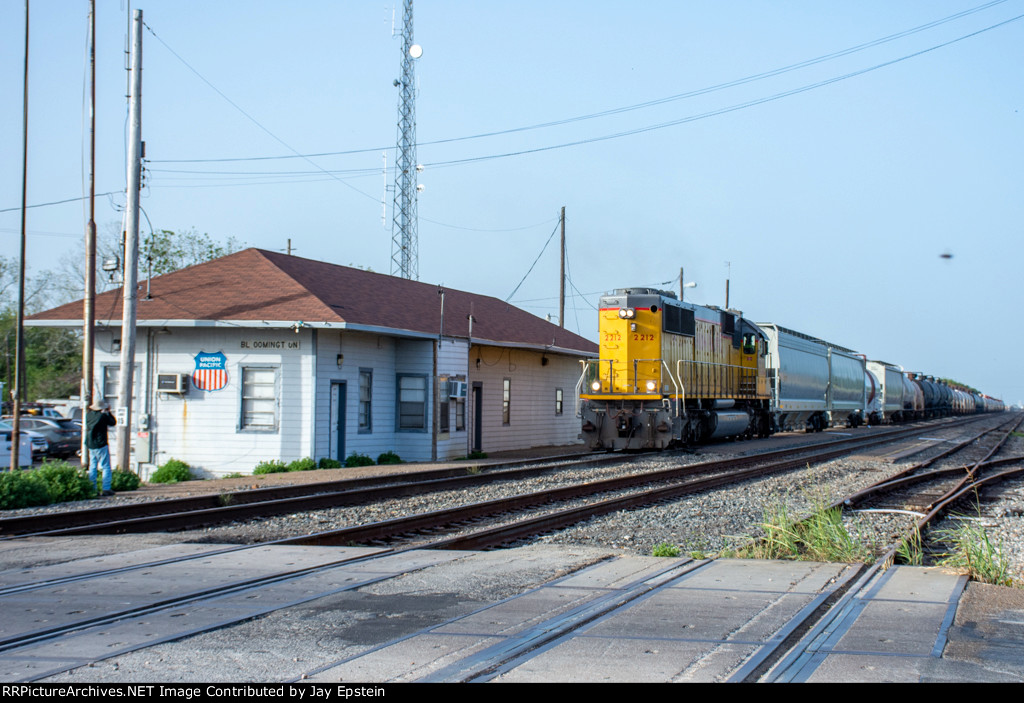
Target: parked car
(37, 441)
(24, 448)
(63, 436)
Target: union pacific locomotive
(672, 372)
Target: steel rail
(775, 461)
(185, 513)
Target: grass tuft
(820, 537)
(911, 551)
(974, 552)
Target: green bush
(326, 463)
(305, 464)
(173, 471)
(123, 481)
(477, 455)
(22, 489)
(389, 458)
(665, 550)
(270, 467)
(354, 460)
(65, 482)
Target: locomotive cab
(672, 372)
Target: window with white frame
(259, 398)
(112, 383)
(558, 401)
(365, 400)
(412, 402)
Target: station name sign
(252, 344)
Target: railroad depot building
(260, 355)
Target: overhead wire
(550, 237)
(617, 135)
(253, 119)
(720, 111)
(638, 106)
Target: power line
(720, 111)
(60, 202)
(638, 106)
(550, 237)
(253, 119)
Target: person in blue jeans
(97, 420)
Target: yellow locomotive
(672, 372)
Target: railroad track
(238, 575)
(202, 511)
(928, 492)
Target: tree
(169, 251)
(53, 356)
(162, 250)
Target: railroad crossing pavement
(539, 613)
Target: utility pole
(19, 354)
(405, 217)
(131, 253)
(561, 286)
(89, 302)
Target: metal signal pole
(131, 253)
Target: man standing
(97, 420)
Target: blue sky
(833, 204)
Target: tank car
(672, 372)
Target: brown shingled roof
(257, 285)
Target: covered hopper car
(672, 372)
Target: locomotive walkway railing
(702, 379)
(707, 379)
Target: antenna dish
(415, 51)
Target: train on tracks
(671, 373)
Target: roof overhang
(302, 324)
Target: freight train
(671, 372)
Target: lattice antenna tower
(404, 218)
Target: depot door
(478, 415)
(338, 421)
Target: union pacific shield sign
(211, 372)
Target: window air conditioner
(172, 383)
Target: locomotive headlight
(651, 385)
(595, 386)
(627, 313)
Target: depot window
(365, 401)
(112, 381)
(259, 398)
(412, 403)
(506, 401)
